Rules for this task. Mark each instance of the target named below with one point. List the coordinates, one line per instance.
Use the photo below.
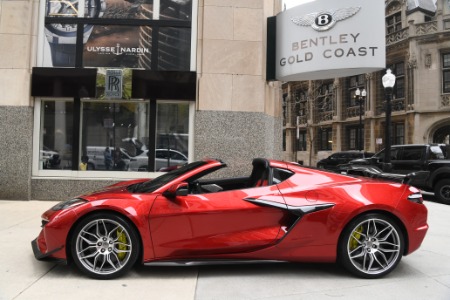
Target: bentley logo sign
(325, 20)
(325, 39)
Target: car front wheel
(371, 246)
(104, 246)
(442, 191)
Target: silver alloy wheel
(374, 246)
(103, 246)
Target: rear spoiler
(413, 178)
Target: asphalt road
(425, 274)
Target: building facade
(96, 91)
(325, 116)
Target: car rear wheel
(104, 246)
(442, 191)
(371, 246)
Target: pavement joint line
(34, 282)
(17, 224)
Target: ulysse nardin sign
(328, 38)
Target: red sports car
(281, 212)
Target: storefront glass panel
(60, 47)
(113, 134)
(172, 135)
(112, 9)
(176, 10)
(174, 49)
(55, 147)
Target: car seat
(260, 173)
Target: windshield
(153, 185)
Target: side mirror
(180, 189)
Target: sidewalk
(423, 275)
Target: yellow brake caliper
(122, 239)
(353, 243)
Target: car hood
(117, 190)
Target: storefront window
(113, 9)
(172, 135)
(176, 10)
(174, 49)
(61, 44)
(109, 132)
(55, 147)
(113, 135)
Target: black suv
(406, 159)
(338, 158)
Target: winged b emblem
(326, 19)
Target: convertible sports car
(281, 212)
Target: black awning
(173, 85)
(64, 82)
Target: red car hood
(118, 191)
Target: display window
(114, 136)
(55, 147)
(118, 120)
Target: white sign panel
(327, 38)
(113, 83)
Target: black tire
(442, 191)
(371, 246)
(104, 246)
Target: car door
(408, 160)
(215, 223)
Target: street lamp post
(360, 97)
(388, 84)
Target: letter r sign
(113, 83)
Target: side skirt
(188, 263)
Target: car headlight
(69, 204)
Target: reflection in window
(114, 135)
(172, 135)
(176, 10)
(55, 148)
(174, 49)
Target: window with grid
(353, 83)
(398, 133)
(353, 138)
(300, 102)
(301, 142)
(325, 97)
(446, 73)
(398, 69)
(325, 138)
(394, 22)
